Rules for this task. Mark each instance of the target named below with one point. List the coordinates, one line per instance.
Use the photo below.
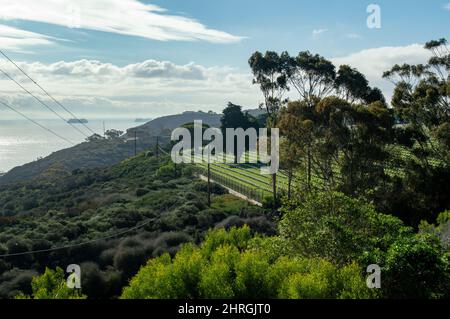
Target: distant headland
(77, 121)
(142, 120)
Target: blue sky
(211, 43)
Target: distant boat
(77, 121)
(142, 120)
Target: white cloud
(447, 6)
(162, 87)
(127, 17)
(91, 88)
(373, 62)
(149, 69)
(317, 32)
(14, 39)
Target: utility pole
(209, 181)
(104, 131)
(157, 147)
(135, 143)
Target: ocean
(22, 142)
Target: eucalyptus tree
(296, 127)
(270, 74)
(421, 103)
(312, 76)
(351, 85)
(422, 99)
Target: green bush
(14, 281)
(141, 192)
(416, 267)
(442, 229)
(215, 188)
(51, 285)
(167, 172)
(229, 265)
(336, 227)
(270, 203)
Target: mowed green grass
(248, 175)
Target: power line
(78, 244)
(41, 102)
(36, 123)
(46, 92)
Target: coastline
(22, 142)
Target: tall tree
(270, 74)
(233, 117)
(294, 133)
(312, 76)
(422, 99)
(421, 102)
(351, 84)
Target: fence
(254, 193)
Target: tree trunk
(274, 189)
(289, 183)
(309, 169)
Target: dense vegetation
(167, 202)
(233, 264)
(366, 184)
(340, 135)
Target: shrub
(215, 188)
(99, 284)
(225, 267)
(416, 268)
(442, 229)
(167, 172)
(15, 281)
(251, 276)
(52, 285)
(336, 227)
(270, 203)
(141, 192)
(165, 279)
(130, 259)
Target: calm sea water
(22, 142)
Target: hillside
(94, 154)
(170, 122)
(128, 213)
(102, 153)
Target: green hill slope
(109, 221)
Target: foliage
(441, 229)
(416, 268)
(271, 77)
(225, 266)
(168, 205)
(52, 285)
(336, 227)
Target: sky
(130, 58)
